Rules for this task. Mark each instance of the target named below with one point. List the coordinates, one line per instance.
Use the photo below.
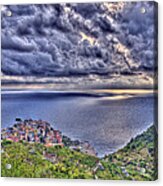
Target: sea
(107, 120)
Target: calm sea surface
(107, 124)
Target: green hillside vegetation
(136, 161)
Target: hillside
(136, 161)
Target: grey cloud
(22, 10)
(105, 24)
(45, 40)
(32, 62)
(87, 10)
(16, 43)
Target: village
(39, 131)
(133, 162)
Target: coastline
(42, 132)
(137, 160)
(71, 142)
(74, 144)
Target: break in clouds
(71, 40)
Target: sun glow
(90, 39)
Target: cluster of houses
(32, 131)
(39, 131)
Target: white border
(56, 182)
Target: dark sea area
(107, 121)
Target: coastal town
(39, 131)
(42, 151)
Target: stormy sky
(111, 43)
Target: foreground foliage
(136, 161)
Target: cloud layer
(79, 39)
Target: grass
(136, 161)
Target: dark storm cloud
(78, 39)
(16, 43)
(141, 33)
